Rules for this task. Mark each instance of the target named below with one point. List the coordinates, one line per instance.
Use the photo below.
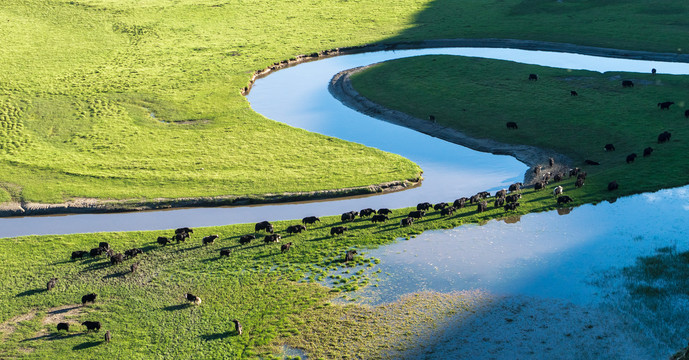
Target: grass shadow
(116, 275)
(87, 345)
(30, 292)
(60, 311)
(176, 307)
(218, 336)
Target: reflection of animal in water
(349, 256)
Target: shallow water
(298, 96)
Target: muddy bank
(341, 88)
(82, 205)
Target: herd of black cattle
(508, 199)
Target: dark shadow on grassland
(634, 25)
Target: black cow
(338, 230)
(51, 284)
(264, 225)
(609, 147)
(474, 199)
(579, 183)
(225, 252)
(511, 206)
(512, 125)
(91, 325)
(613, 185)
(192, 298)
(116, 259)
(513, 198)
(533, 77)
(310, 220)
(631, 157)
(482, 206)
(237, 326)
(591, 162)
(184, 230)
(379, 218)
(271, 238)
(63, 326)
(627, 83)
(539, 185)
(515, 187)
(499, 202)
(104, 245)
(88, 298)
(349, 216)
(418, 214)
(133, 252)
(665, 105)
(96, 252)
(564, 199)
(440, 206)
(447, 211)
(293, 229)
(501, 193)
(366, 212)
(582, 175)
(349, 256)
(664, 137)
(460, 203)
(558, 177)
(181, 237)
(407, 221)
(285, 247)
(245, 239)
(425, 206)
(384, 211)
(162, 240)
(483, 194)
(573, 172)
(209, 239)
(79, 254)
(648, 151)
(573, 93)
(686, 113)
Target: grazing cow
(349, 216)
(609, 147)
(533, 77)
(264, 225)
(181, 237)
(384, 211)
(447, 211)
(501, 193)
(499, 202)
(378, 218)
(88, 298)
(96, 252)
(338, 230)
(349, 256)
(285, 247)
(482, 206)
(613, 185)
(184, 230)
(237, 326)
(648, 151)
(366, 212)
(407, 221)
(192, 299)
(665, 105)
(631, 157)
(460, 203)
(310, 220)
(272, 238)
(425, 206)
(511, 206)
(564, 199)
(245, 239)
(540, 185)
(63, 326)
(209, 239)
(418, 214)
(132, 252)
(686, 113)
(579, 183)
(653, 71)
(474, 199)
(79, 254)
(515, 187)
(573, 93)
(512, 125)
(558, 191)
(107, 336)
(573, 172)
(116, 259)
(512, 198)
(51, 283)
(91, 325)
(225, 252)
(591, 162)
(134, 266)
(627, 84)
(293, 229)
(582, 175)
(162, 240)
(440, 206)
(104, 245)
(664, 137)
(483, 194)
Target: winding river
(298, 96)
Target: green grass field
(80, 79)
(479, 96)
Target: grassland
(80, 80)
